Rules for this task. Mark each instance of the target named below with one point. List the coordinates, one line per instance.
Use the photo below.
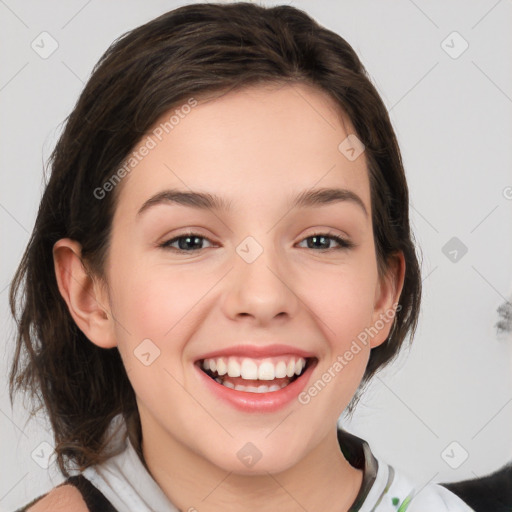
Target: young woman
(221, 260)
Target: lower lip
(258, 402)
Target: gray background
(453, 120)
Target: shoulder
(400, 492)
(440, 498)
(490, 492)
(60, 499)
(417, 498)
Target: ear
(85, 296)
(387, 294)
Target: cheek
(342, 297)
(343, 300)
(153, 301)
(159, 304)
(151, 314)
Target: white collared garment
(126, 483)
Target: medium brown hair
(191, 51)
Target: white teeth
(266, 371)
(233, 368)
(252, 389)
(252, 369)
(280, 370)
(290, 369)
(249, 369)
(221, 367)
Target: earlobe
(387, 295)
(85, 298)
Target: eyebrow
(204, 201)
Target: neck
(322, 480)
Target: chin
(248, 459)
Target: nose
(260, 285)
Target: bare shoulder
(60, 499)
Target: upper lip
(257, 351)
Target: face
(227, 316)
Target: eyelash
(343, 243)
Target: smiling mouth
(265, 375)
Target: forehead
(258, 144)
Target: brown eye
(187, 242)
(322, 241)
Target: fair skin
(61, 499)
(257, 148)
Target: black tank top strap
(94, 499)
